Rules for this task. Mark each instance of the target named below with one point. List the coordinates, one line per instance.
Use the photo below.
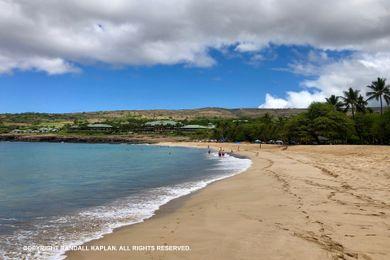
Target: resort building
(197, 127)
(18, 131)
(99, 127)
(34, 131)
(160, 125)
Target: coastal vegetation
(345, 119)
(342, 119)
(322, 123)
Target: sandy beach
(304, 202)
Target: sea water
(57, 195)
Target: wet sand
(313, 202)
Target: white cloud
(51, 66)
(136, 32)
(247, 47)
(274, 102)
(299, 99)
(357, 72)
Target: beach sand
(304, 202)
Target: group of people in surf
(221, 152)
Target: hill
(30, 118)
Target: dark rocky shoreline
(87, 139)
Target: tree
(297, 129)
(387, 96)
(320, 122)
(326, 122)
(317, 109)
(368, 128)
(350, 100)
(335, 101)
(385, 127)
(378, 91)
(361, 104)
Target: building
(18, 131)
(323, 140)
(99, 127)
(42, 130)
(197, 127)
(47, 130)
(161, 125)
(168, 123)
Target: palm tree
(361, 104)
(379, 91)
(387, 98)
(350, 100)
(334, 101)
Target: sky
(84, 55)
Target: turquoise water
(61, 194)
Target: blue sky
(68, 56)
(235, 80)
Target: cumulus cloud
(299, 99)
(356, 71)
(247, 47)
(274, 102)
(50, 35)
(51, 66)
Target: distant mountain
(181, 114)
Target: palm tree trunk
(381, 106)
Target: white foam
(126, 211)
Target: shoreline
(109, 139)
(290, 204)
(170, 205)
(175, 203)
(177, 192)
(163, 210)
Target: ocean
(57, 195)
